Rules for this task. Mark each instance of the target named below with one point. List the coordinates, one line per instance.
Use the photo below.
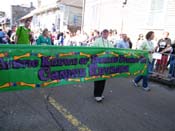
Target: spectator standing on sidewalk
(11, 35)
(130, 43)
(163, 47)
(147, 45)
(123, 43)
(24, 34)
(172, 62)
(100, 84)
(139, 41)
(44, 38)
(94, 35)
(3, 37)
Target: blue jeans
(145, 77)
(172, 66)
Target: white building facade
(137, 16)
(64, 15)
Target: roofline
(80, 7)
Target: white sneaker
(99, 99)
(146, 88)
(135, 84)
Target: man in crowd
(123, 43)
(24, 34)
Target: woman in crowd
(44, 38)
(139, 41)
(147, 45)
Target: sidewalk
(164, 80)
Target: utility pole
(124, 3)
(83, 12)
(122, 23)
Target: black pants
(99, 88)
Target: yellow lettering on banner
(40, 55)
(135, 73)
(22, 56)
(112, 53)
(104, 76)
(2, 55)
(5, 85)
(68, 54)
(144, 69)
(137, 56)
(129, 54)
(128, 73)
(76, 80)
(113, 75)
(48, 83)
(50, 58)
(83, 54)
(25, 84)
(100, 54)
(91, 78)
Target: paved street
(72, 108)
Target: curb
(166, 81)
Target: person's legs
(172, 66)
(145, 78)
(158, 63)
(138, 78)
(173, 70)
(164, 63)
(151, 67)
(99, 88)
(145, 81)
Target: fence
(163, 67)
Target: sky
(7, 4)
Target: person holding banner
(147, 45)
(100, 84)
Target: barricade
(163, 68)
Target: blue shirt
(2, 34)
(122, 44)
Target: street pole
(122, 21)
(83, 12)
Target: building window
(156, 14)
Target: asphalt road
(72, 108)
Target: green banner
(29, 67)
